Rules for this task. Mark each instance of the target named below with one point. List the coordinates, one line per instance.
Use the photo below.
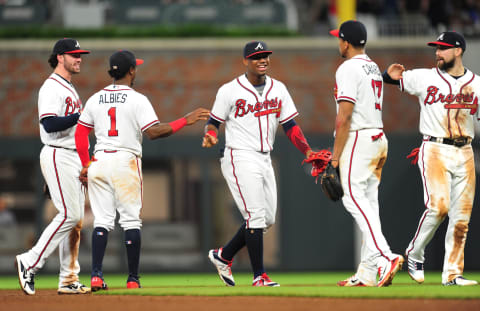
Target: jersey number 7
(377, 84)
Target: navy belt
(457, 142)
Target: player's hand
(197, 115)
(84, 177)
(209, 141)
(395, 71)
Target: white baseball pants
(115, 184)
(361, 166)
(251, 179)
(448, 178)
(61, 169)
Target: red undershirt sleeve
(81, 141)
(297, 138)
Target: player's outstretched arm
(166, 129)
(295, 135)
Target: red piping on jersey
(448, 110)
(268, 123)
(64, 218)
(259, 122)
(74, 95)
(240, 191)
(48, 115)
(289, 117)
(456, 120)
(365, 59)
(117, 90)
(141, 181)
(426, 203)
(354, 201)
(85, 124)
(347, 99)
(217, 118)
(150, 125)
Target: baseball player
(448, 101)
(119, 116)
(251, 106)
(360, 151)
(59, 108)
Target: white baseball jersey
(447, 105)
(120, 115)
(252, 118)
(359, 80)
(58, 97)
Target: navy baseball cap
(351, 31)
(255, 48)
(451, 39)
(68, 46)
(121, 61)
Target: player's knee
(131, 224)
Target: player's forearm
(159, 130)
(387, 79)
(342, 130)
(297, 138)
(81, 143)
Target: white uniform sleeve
(146, 116)
(413, 81)
(289, 111)
(347, 83)
(49, 102)
(86, 118)
(221, 107)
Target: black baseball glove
(331, 184)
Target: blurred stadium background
(192, 47)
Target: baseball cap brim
(139, 61)
(335, 32)
(260, 52)
(435, 43)
(78, 52)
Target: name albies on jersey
(252, 118)
(448, 105)
(119, 115)
(58, 97)
(359, 81)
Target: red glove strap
(177, 124)
(212, 133)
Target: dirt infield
(50, 300)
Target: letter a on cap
(259, 46)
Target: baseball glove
(319, 161)
(331, 184)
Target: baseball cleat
(26, 278)
(224, 267)
(415, 270)
(461, 281)
(264, 280)
(97, 283)
(352, 281)
(74, 288)
(387, 272)
(133, 282)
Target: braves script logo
(72, 106)
(259, 109)
(453, 101)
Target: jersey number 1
(112, 113)
(378, 93)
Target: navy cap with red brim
(77, 52)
